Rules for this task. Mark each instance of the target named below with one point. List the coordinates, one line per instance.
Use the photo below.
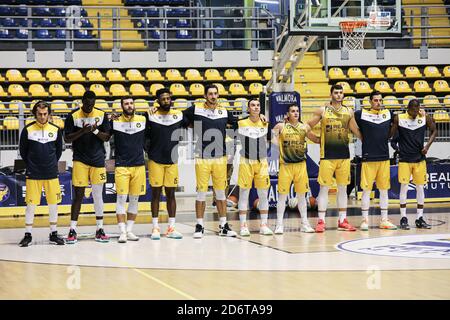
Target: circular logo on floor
(436, 246)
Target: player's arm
(394, 127)
(354, 127)
(23, 144)
(432, 126)
(311, 135)
(188, 116)
(276, 133)
(59, 145)
(70, 134)
(317, 116)
(104, 129)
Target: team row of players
(87, 128)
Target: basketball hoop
(353, 33)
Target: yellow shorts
(293, 172)
(250, 170)
(82, 174)
(163, 174)
(34, 190)
(418, 170)
(217, 168)
(130, 180)
(338, 168)
(378, 171)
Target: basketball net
(353, 33)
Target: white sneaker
(226, 231)
(244, 231)
(279, 229)
(156, 235)
(173, 234)
(199, 230)
(132, 237)
(265, 230)
(123, 238)
(306, 227)
(364, 225)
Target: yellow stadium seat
(59, 106)
(441, 116)
(118, 90)
(155, 87)
(412, 72)
(76, 103)
(56, 120)
(255, 88)
(117, 105)
(391, 102)
(154, 75)
(28, 105)
(240, 102)
(447, 100)
(16, 90)
(2, 92)
(237, 89)
(95, 75)
(402, 86)
(75, 75)
(11, 123)
(57, 90)
(267, 74)
(421, 86)
(252, 74)
(193, 75)
(178, 89)
(407, 98)
(14, 75)
(34, 75)
(114, 75)
(141, 104)
(174, 75)
(223, 102)
(431, 101)
(37, 90)
(137, 89)
(76, 90)
(213, 75)
(14, 105)
(222, 90)
(181, 103)
(365, 102)
(346, 87)
(197, 89)
(101, 104)
(355, 73)
(374, 73)
(54, 75)
(441, 86)
(363, 87)
(349, 101)
(446, 71)
(134, 75)
(2, 79)
(431, 72)
(200, 102)
(3, 109)
(383, 87)
(336, 73)
(232, 74)
(99, 89)
(393, 72)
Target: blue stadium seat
(58, 12)
(43, 34)
(22, 34)
(61, 22)
(22, 22)
(151, 23)
(85, 23)
(156, 34)
(152, 12)
(60, 34)
(82, 34)
(7, 22)
(138, 12)
(5, 34)
(21, 11)
(83, 12)
(181, 12)
(182, 23)
(6, 11)
(47, 23)
(183, 34)
(41, 11)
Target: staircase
(135, 41)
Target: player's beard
(165, 107)
(129, 113)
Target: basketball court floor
(378, 264)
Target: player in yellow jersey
(336, 123)
(291, 138)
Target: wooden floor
(378, 264)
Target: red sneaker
(72, 237)
(320, 226)
(345, 226)
(100, 236)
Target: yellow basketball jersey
(292, 141)
(335, 129)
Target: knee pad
(263, 201)
(120, 203)
(220, 195)
(201, 196)
(133, 204)
(243, 199)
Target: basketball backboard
(322, 17)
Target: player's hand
(86, 128)
(263, 118)
(286, 118)
(94, 126)
(422, 112)
(114, 116)
(425, 151)
(152, 110)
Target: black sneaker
(226, 231)
(199, 231)
(404, 223)
(26, 241)
(421, 224)
(100, 236)
(56, 239)
(72, 237)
